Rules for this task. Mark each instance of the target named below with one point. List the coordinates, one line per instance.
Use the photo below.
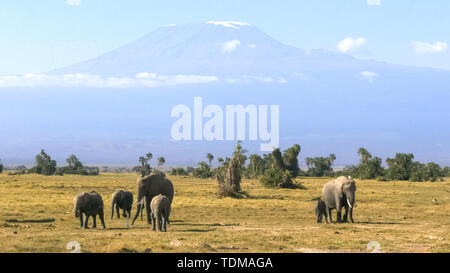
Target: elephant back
(157, 184)
(90, 202)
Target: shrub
(203, 170)
(178, 171)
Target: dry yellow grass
(36, 216)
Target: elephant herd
(155, 194)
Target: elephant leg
(124, 213)
(147, 209)
(112, 210)
(138, 209)
(163, 223)
(102, 219)
(153, 222)
(94, 217)
(345, 218)
(329, 215)
(157, 223)
(81, 219)
(86, 221)
(118, 211)
(339, 212)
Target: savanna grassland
(36, 216)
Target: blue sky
(37, 36)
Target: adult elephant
(149, 187)
(338, 194)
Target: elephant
(160, 207)
(338, 194)
(91, 204)
(122, 200)
(149, 187)
(320, 209)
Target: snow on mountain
(219, 48)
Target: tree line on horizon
(276, 169)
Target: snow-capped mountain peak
(230, 24)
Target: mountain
(329, 102)
(213, 48)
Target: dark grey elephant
(122, 200)
(149, 187)
(160, 207)
(89, 204)
(338, 194)
(320, 209)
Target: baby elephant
(320, 209)
(122, 200)
(160, 207)
(91, 204)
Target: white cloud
(373, 2)
(423, 47)
(282, 80)
(349, 44)
(144, 79)
(230, 46)
(73, 2)
(369, 75)
(249, 79)
(252, 46)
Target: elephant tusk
(348, 201)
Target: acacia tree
(320, 166)
(210, 158)
(145, 168)
(1, 166)
(161, 161)
(44, 164)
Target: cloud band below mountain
(85, 80)
(141, 80)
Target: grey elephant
(320, 209)
(89, 204)
(122, 200)
(338, 194)
(149, 187)
(160, 207)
